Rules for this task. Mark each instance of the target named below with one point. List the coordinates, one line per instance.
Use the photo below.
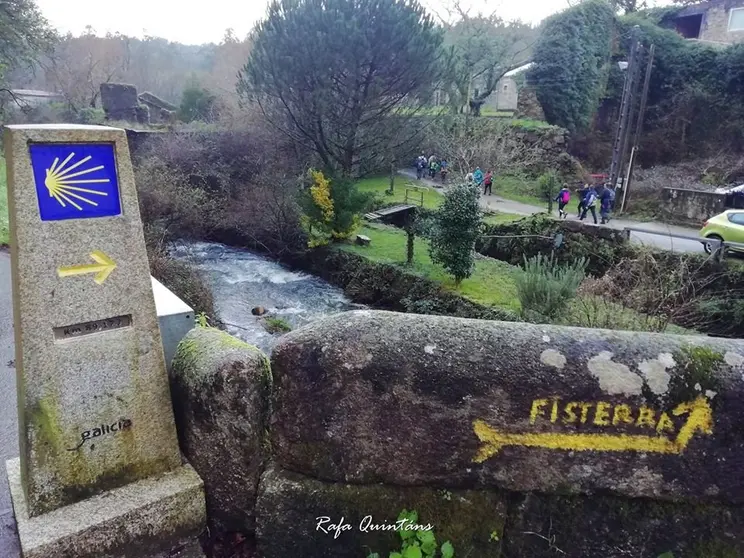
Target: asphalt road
(658, 235)
(9, 547)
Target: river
(241, 280)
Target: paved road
(659, 240)
(8, 412)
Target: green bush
(572, 62)
(455, 228)
(544, 288)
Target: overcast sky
(192, 22)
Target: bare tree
(481, 49)
(79, 65)
(491, 145)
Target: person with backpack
(478, 177)
(487, 183)
(563, 197)
(443, 170)
(433, 168)
(420, 166)
(590, 202)
(607, 200)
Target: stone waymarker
(94, 404)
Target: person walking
(487, 183)
(420, 166)
(443, 170)
(582, 192)
(607, 200)
(433, 168)
(478, 177)
(590, 202)
(563, 197)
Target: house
(718, 22)
(504, 97)
(33, 98)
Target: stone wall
(121, 102)
(529, 106)
(508, 439)
(715, 27)
(692, 206)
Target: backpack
(566, 196)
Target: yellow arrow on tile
(102, 268)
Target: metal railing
(417, 191)
(717, 247)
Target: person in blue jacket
(590, 204)
(478, 177)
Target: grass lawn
(497, 218)
(491, 284)
(517, 188)
(3, 205)
(432, 197)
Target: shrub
(549, 187)
(544, 288)
(454, 230)
(571, 63)
(332, 209)
(231, 186)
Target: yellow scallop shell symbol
(62, 183)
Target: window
(736, 218)
(736, 20)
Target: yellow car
(727, 226)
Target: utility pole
(621, 135)
(639, 125)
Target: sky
(190, 23)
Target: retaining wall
(509, 439)
(693, 206)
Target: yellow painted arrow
(102, 268)
(700, 420)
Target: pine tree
(332, 73)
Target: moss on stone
(195, 350)
(697, 373)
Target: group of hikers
(433, 165)
(589, 196)
(481, 180)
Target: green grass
(498, 218)
(378, 186)
(491, 112)
(600, 313)
(491, 284)
(531, 124)
(4, 231)
(517, 188)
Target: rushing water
(242, 280)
